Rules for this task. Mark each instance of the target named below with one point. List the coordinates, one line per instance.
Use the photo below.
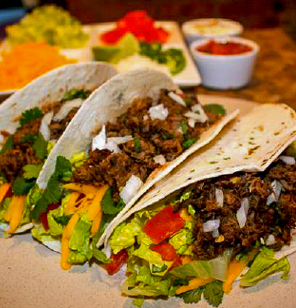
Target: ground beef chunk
(277, 218)
(57, 128)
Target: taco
(221, 215)
(139, 127)
(31, 123)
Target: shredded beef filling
(150, 138)
(13, 160)
(277, 219)
(57, 128)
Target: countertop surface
(274, 79)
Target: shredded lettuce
(181, 241)
(264, 265)
(215, 268)
(78, 159)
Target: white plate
(30, 274)
(187, 78)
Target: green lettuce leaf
(3, 208)
(80, 241)
(181, 241)
(265, 264)
(215, 268)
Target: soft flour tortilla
(251, 143)
(50, 88)
(106, 104)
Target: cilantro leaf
(188, 143)
(108, 204)
(22, 186)
(40, 146)
(215, 108)
(30, 115)
(28, 138)
(183, 127)
(32, 171)
(137, 144)
(214, 293)
(8, 145)
(75, 93)
(193, 296)
(62, 220)
(53, 191)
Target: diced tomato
(117, 262)
(111, 37)
(9, 193)
(163, 225)
(168, 253)
(140, 25)
(43, 216)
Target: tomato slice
(43, 216)
(168, 253)
(117, 262)
(164, 224)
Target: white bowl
(210, 28)
(225, 71)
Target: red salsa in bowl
(226, 48)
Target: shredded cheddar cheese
(25, 62)
(3, 190)
(15, 212)
(194, 284)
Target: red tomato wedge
(140, 25)
(163, 225)
(43, 216)
(117, 262)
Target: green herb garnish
(30, 115)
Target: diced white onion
(66, 108)
(44, 126)
(276, 191)
(219, 197)
(192, 115)
(99, 141)
(242, 213)
(211, 225)
(289, 160)
(159, 159)
(178, 99)
(191, 123)
(145, 117)
(202, 115)
(270, 240)
(158, 112)
(120, 140)
(130, 189)
(112, 146)
(215, 233)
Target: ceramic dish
(210, 28)
(187, 78)
(225, 71)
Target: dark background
(251, 13)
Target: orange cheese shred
(27, 61)
(88, 190)
(15, 212)
(194, 284)
(3, 190)
(235, 268)
(70, 207)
